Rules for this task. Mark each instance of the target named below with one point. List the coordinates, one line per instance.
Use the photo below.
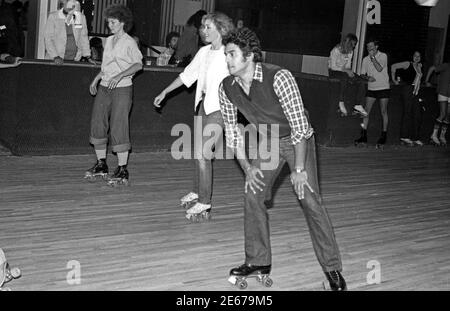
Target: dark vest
(261, 106)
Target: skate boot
(100, 169)
(443, 132)
(239, 275)
(434, 139)
(336, 281)
(188, 200)
(362, 141)
(406, 142)
(381, 141)
(359, 109)
(418, 143)
(7, 274)
(120, 177)
(199, 212)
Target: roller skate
(406, 142)
(7, 274)
(442, 136)
(362, 141)
(381, 141)
(434, 139)
(100, 169)
(335, 281)
(418, 143)
(239, 275)
(120, 177)
(359, 110)
(188, 200)
(199, 212)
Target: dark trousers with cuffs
(110, 113)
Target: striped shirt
(286, 89)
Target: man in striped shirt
(269, 98)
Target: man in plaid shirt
(268, 96)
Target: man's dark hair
(196, 19)
(172, 34)
(373, 40)
(247, 41)
(122, 14)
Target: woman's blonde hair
(223, 23)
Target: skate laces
(198, 208)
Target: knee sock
(123, 158)
(101, 154)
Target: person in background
(408, 75)
(66, 34)
(268, 95)
(189, 42)
(96, 45)
(340, 67)
(208, 69)
(110, 113)
(165, 57)
(375, 70)
(9, 31)
(443, 90)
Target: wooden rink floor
(390, 210)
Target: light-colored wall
(168, 16)
(439, 16)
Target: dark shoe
(120, 177)
(246, 270)
(99, 169)
(363, 139)
(337, 282)
(382, 140)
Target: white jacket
(55, 35)
(208, 68)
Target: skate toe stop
(232, 280)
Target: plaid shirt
(286, 89)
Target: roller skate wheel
(192, 217)
(268, 282)
(232, 279)
(206, 215)
(242, 284)
(15, 272)
(89, 177)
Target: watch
(299, 170)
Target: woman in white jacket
(208, 69)
(66, 34)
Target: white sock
(123, 158)
(101, 154)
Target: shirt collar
(257, 75)
(62, 16)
